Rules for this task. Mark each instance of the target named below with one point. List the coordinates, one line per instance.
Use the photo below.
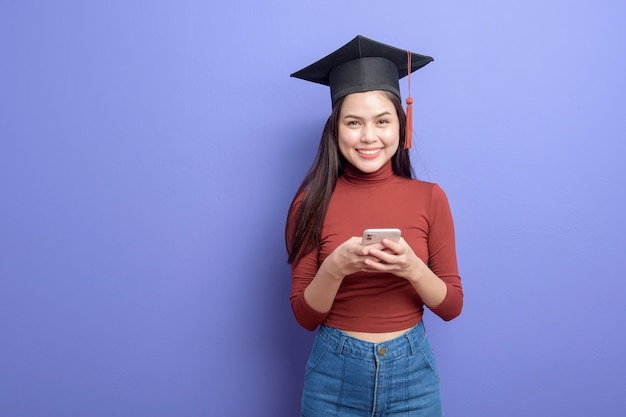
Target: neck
(353, 175)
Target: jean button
(382, 351)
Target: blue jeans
(346, 376)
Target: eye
(353, 123)
(383, 122)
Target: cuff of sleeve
(305, 315)
(451, 306)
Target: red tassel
(408, 140)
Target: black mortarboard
(362, 65)
(365, 65)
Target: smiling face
(368, 130)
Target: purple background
(149, 152)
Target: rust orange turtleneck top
(376, 303)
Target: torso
(376, 307)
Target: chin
(368, 168)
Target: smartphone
(371, 236)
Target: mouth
(368, 152)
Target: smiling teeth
(368, 152)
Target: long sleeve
(302, 273)
(442, 255)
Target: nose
(369, 133)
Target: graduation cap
(365, 65)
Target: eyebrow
(352, 116)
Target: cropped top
(381, 302)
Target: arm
(304, 275)
(313, 289)
(314, 286)
(442, 255)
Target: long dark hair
(304, 224)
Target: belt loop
(342, 339)
(408, 338)
(410, 341)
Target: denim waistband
(402, 346)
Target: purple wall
(149, 151)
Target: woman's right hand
(349, 257)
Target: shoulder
(294, 208)
(421, 185)
(429, 193)
(297, 200)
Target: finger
(376, 266)
(394, 246)
(374, 246)
(382, 255)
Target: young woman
(371, 355)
